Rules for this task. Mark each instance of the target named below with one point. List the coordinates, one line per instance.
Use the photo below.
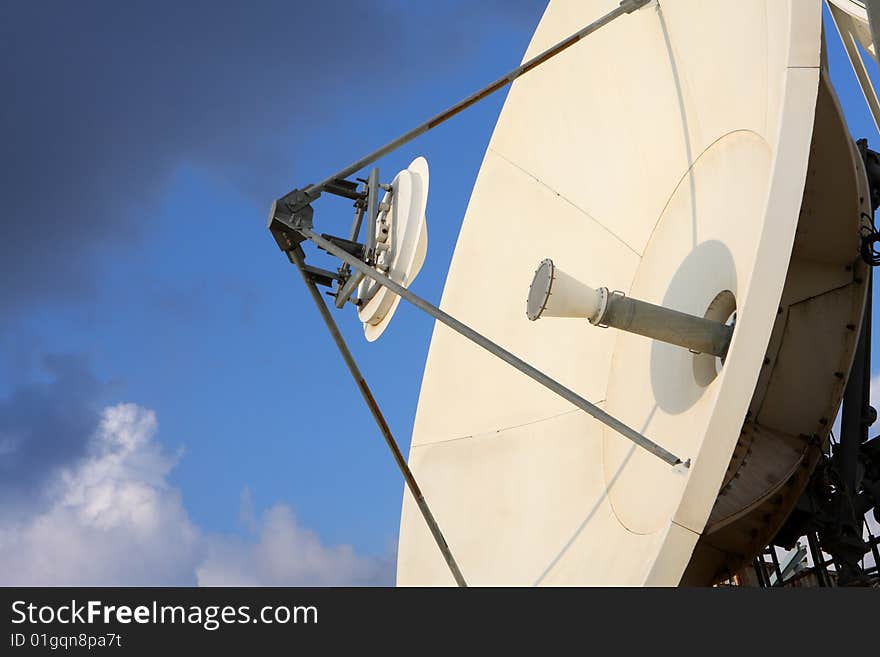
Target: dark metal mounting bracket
(846, 483)
(289, 215)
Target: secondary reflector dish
(693, 156)
(401, 245)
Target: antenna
(291, 220)
(692, 187)
(702, 174)
(400, 245)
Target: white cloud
(271, 561)
(113, 519)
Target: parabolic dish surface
(665, 156)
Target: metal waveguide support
(625, 7)
(348, 289)
(700, 335)
(345, 270)
(372, 212)
(491, 347)
(554, 293)
(297, 257)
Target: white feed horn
(554, 293)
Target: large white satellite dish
(402, 242)
(692, 160)
(693, 156)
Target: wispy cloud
(287, 554)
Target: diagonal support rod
(625, 7)
(299, 259)
(491, 347)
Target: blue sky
(144, 143)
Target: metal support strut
(298, 259)
(495, 349)
(313, 191)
